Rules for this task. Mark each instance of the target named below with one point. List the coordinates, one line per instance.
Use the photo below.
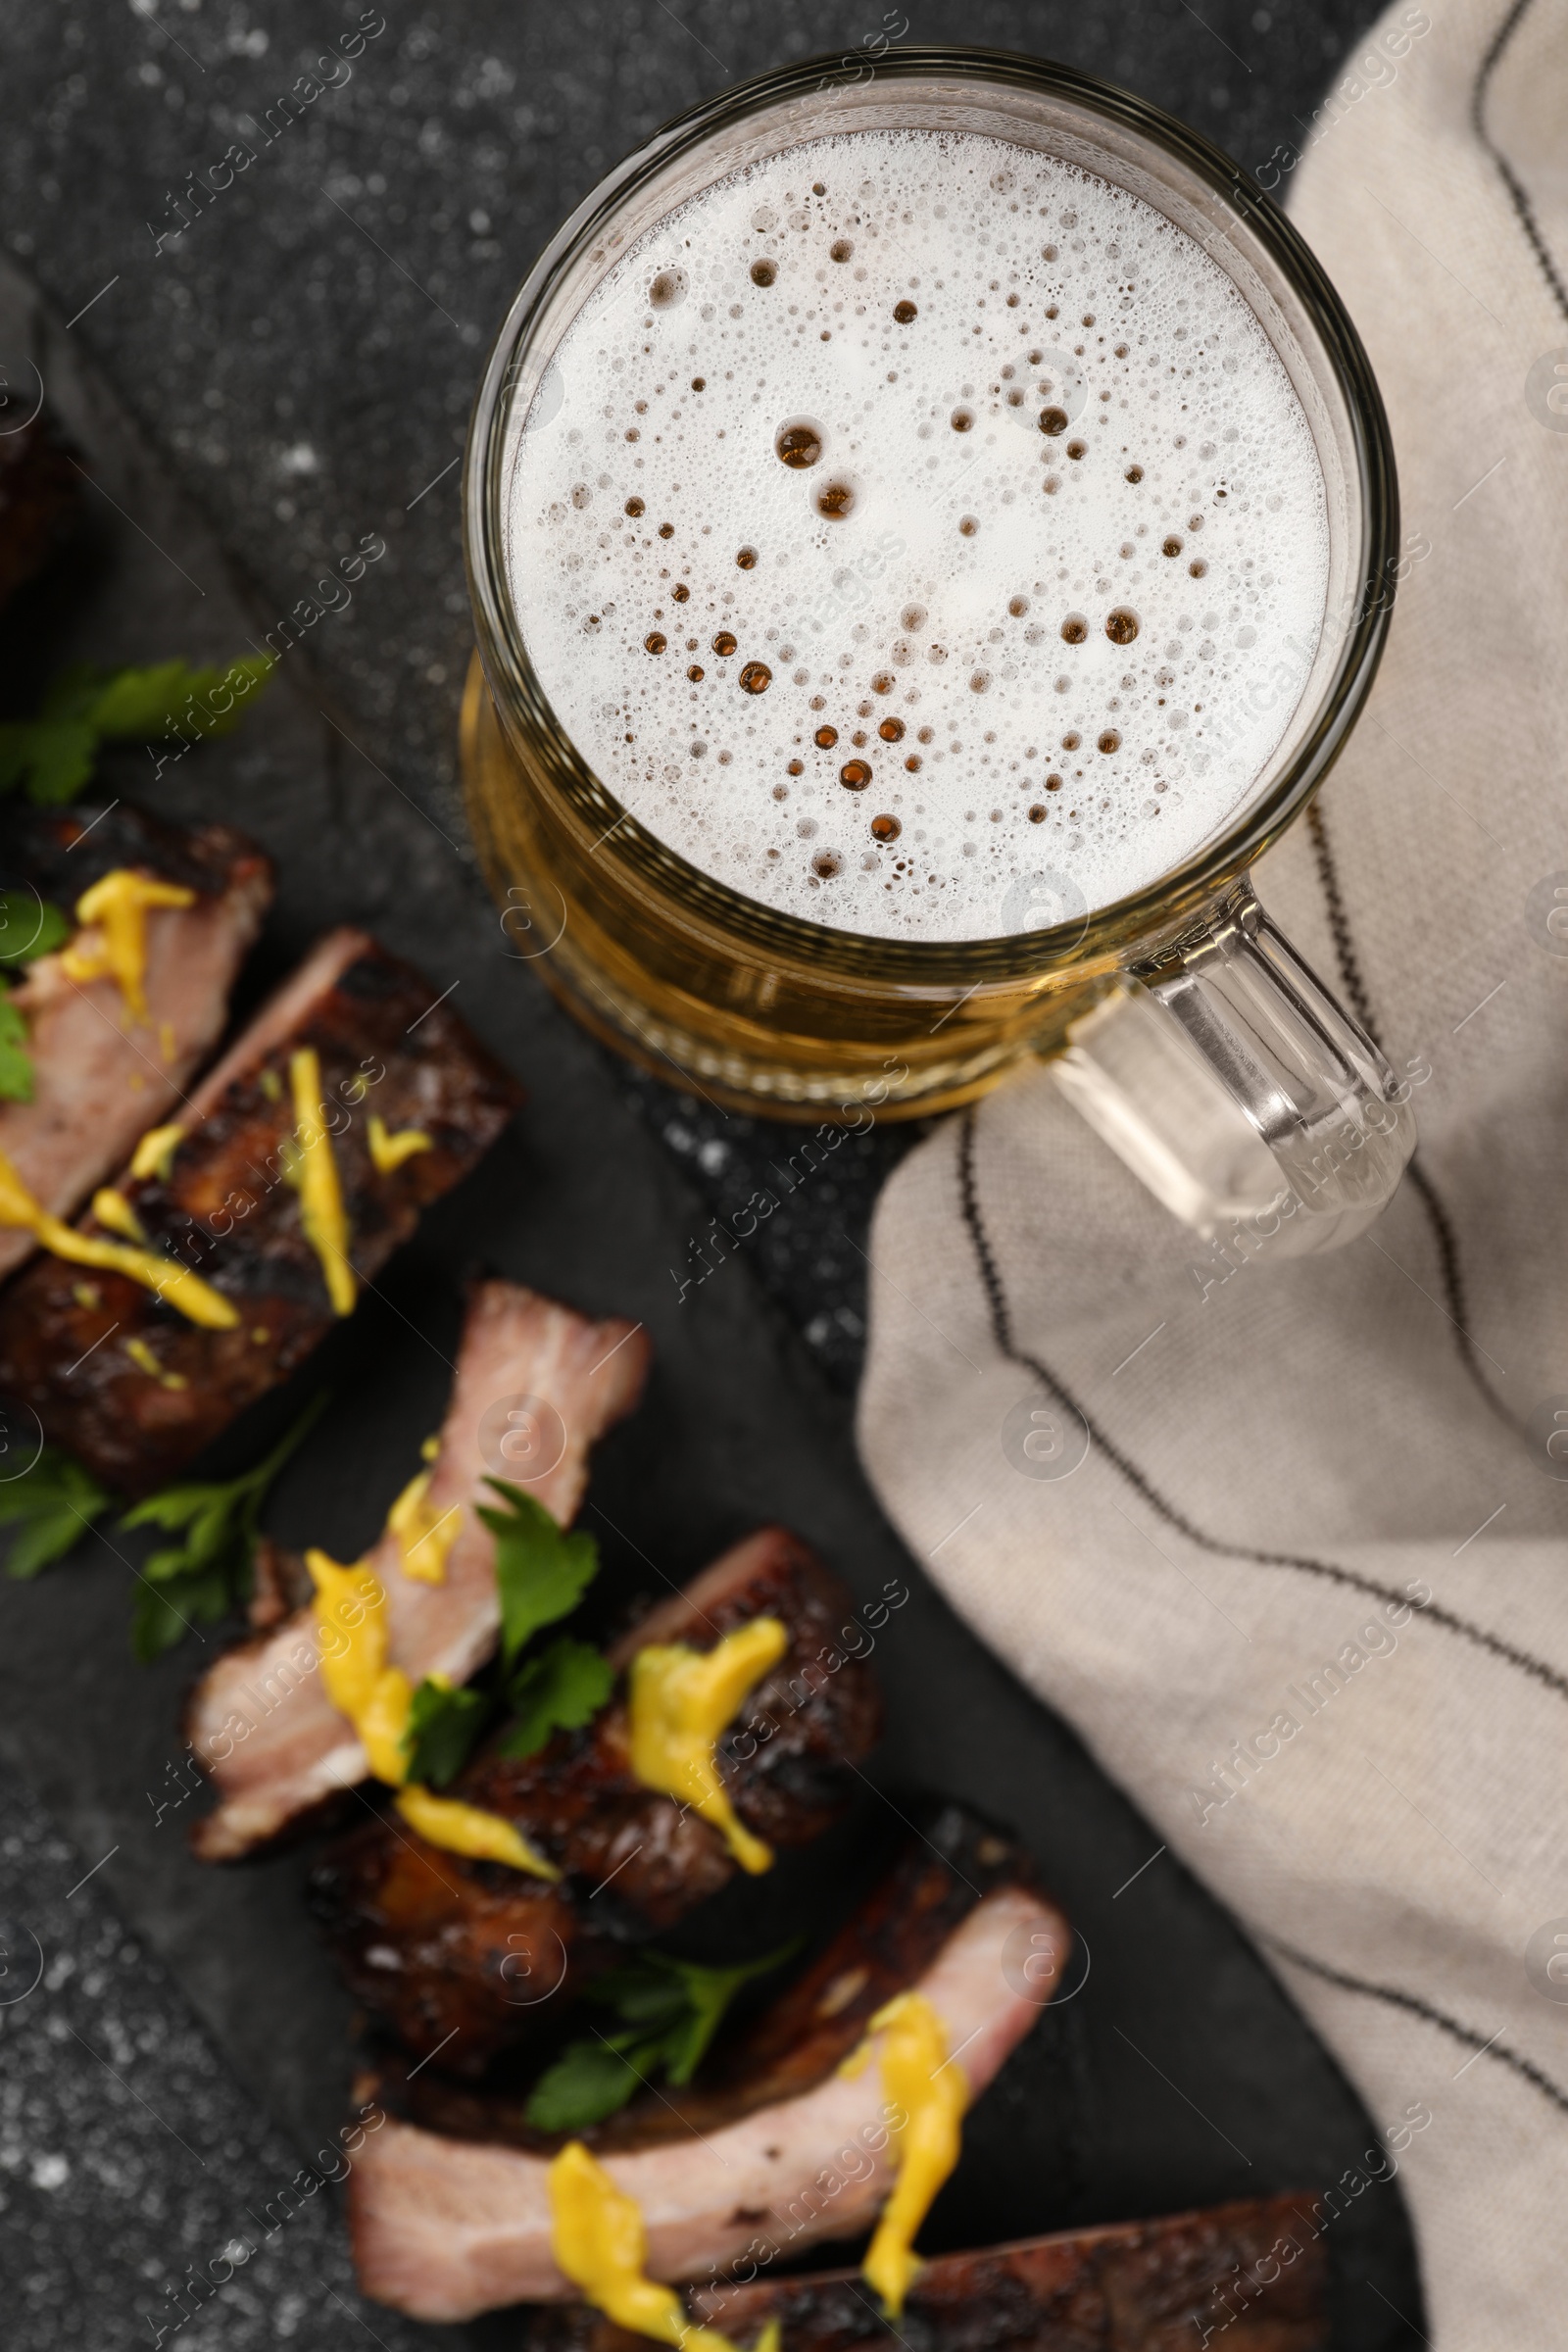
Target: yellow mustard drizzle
(115, 1214)
(142, 1356)
(600, 2242)
(931, 2092)
(114, 936)
(154, 1155)
(314, 1175)
(468, 1830)
(389, 1152)
(426, 1535)
(174, 1284)
(352, 1643)
(681, 1702)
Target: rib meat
(436, 1946)
(1134, 2286)
(100, 1078)
(69, 1348)
(798, 2040)
(260, 1720)
(779, 2145)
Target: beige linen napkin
(1282, 1458)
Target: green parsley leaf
(54, 1504)
(707, 1993)
(206, 1574)
(443, 1726)
(55, 758)
(561, 1689)
(541, 1572)
(671, 2010)
(541, 1575)
(589, 2080)
(162, 1613)
(15, 1062)
(140, 704)
(54, 755)
(30, 926)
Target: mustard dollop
(680, 1701)
(389, 1152)
(153, 1155)
(113, 938)
(115, 1214)
(316, 1178)
(352, 1637)
(600, 2243)
(352, 1643)
(931, 2092)
(142, 1356)
(468, 1830)
(426, 1535)
(171, 1282)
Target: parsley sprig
(561, 1689)
(541, 1572)
(670, 2011)
(541, 1575)
(17, 1075)
(55, 753)
(443, 1726)
(202, 1576)
(205, 1573)
(55, 1504)
(29, 927)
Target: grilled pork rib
(437, 1947)
(69, 1348)
(100, 1079)
(777, 2145)
(260, 1720)
(1251, 2276)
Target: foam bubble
(916, 517)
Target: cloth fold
(1286, 1540)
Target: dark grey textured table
(300, 364)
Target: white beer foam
(966, 594)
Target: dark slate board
(343, 772)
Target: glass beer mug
(1177, 1020)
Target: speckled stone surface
(143, 2196)
(304, 391)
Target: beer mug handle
(1226, 1077)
